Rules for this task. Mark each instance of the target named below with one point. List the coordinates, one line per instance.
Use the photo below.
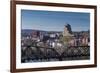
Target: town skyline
(54, 21)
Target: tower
(67, 30)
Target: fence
(39, 54)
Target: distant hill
(26, 32)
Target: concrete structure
(67, 31)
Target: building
(67, 31)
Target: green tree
(66, 39)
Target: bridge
(39, 54)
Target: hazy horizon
(51, 31)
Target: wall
(5, 36)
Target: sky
(54, 20)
